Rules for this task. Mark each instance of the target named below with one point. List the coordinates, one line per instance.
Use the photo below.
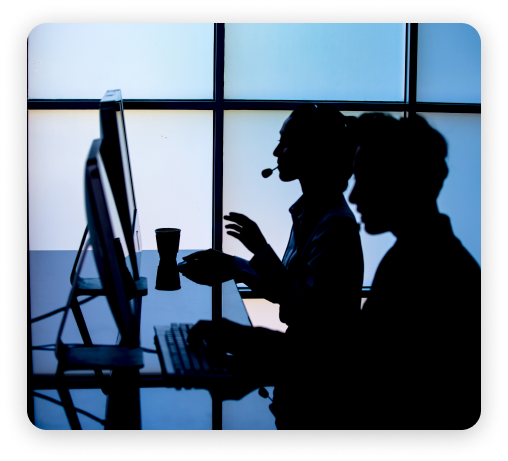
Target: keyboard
(178, 359)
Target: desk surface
(161, 408)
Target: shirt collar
(298, 207)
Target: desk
(161, 408)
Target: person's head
(399, 170)
(316, 145)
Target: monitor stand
(93, 287)
(123, 408)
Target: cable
(83, 412)
(56, 311)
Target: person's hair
(328, 135)
(406, 149)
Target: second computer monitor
(118, 285)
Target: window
(195, 91)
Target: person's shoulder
(450, 249)
(336, 228)
(459, 261)
(337, 221)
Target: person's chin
(373, 228)
(284, 177)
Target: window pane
(146, 61)
(171, 158)
(315, 61)
(58, 144)
(249, 140)
(449, 63)
(172, 162)
(460, 197)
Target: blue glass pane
(460, 197)
(171, 159)
(449, 63)
(315, 61)
(152, 61)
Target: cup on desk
(168, 276)
(168, 241)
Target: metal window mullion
(218, 148)
(412, 68)
(218, 137)
(218, 143)
(231, 104)
(406, 69)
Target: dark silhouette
(317, 284)
(420, 327)
(168, 276)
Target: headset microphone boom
(268, 172)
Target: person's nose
(279, 150)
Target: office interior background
(204, 104)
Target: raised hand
(245, 230)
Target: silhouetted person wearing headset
(317, 284)
(419, 367)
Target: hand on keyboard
(207, 334)
(220, 336)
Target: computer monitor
(115, 154)
(118, 285)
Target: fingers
(234, 227)
(237, 217)
(236, 232)
(235, 235)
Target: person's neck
(416, 220)
(318, 187)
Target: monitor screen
(115, 155)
